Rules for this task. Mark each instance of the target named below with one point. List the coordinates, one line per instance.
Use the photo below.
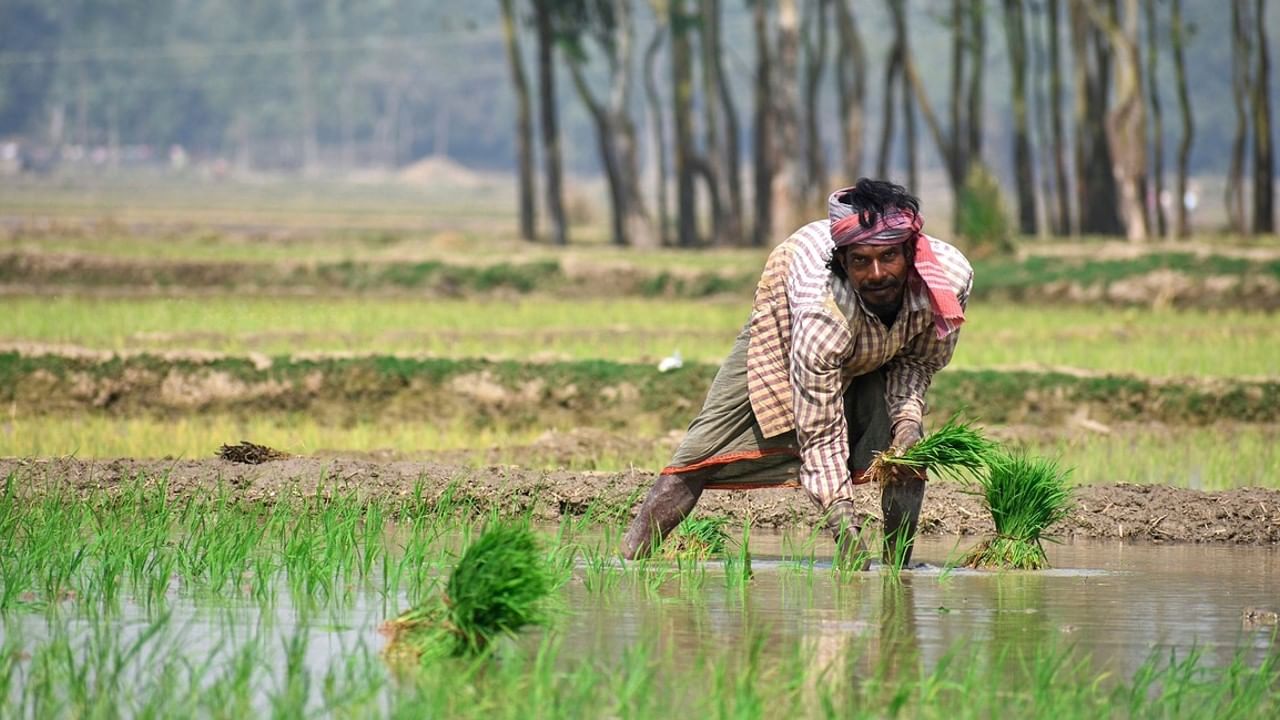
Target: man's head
(874, 225)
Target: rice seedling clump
(1026, 495)
(498, 587)
(701, 537)
(956, 448)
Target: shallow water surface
(1116, 602)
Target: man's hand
(905, 434)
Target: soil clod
(248, 453)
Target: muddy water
(1117, 603)
(1113, 604)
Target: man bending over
(852, 317)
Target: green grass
(1144, 342)
(957, 448)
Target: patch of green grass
(1143, 342)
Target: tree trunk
(616, 132)
(815, 64)
(788, 184)
(526, 189)
(1182, 226)
(891, 69)
(726, 229)
(908, 104)
(977, 66)
(550, 126)
(763, 131)
(1016, 36)
(1127, 123)
(654, 109)
(1263, 151)
(1096, 190)
(1058, 142)
(1042, 150)
(682, 108)
(851, 80)
(1240, 58)
(730, 163)
(1157, 118)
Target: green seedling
(956, 448)
(1025, 494)
(498, 587)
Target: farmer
(852, 317)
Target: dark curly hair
(871, 199)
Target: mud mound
(1128, 512)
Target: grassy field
(1135, 341)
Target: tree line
(1089, 69)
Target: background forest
(712, 121)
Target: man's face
(878, 273)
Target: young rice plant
(498, 587)
(1025, 494)
(956, 448)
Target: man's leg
(900, 501)
(669, 501)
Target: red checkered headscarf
(892, 228)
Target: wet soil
(1150, 513)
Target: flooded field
(418, 375)
(761, 631)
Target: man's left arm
(908, 376)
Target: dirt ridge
(1145, 513)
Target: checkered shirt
(811, 335)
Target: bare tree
(1058, 141)
(524, 123)
(892, 67)
(1157, 116)
(544, 23)
(763, 137)
(1263, 150)
(788, 184)
(728, 159)
(1016, 37)
(1096, 191)
(851, 81)
(1241, 51)
(815, 64)
(958, 145)
(609, 24)
(908, 102)
(1178, 40)
(681, 22)
(653, 109)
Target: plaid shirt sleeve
(909, 374)
(821, 343)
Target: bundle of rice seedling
(1025, 495)
(697, 537)
(498, 587)
(957, 448)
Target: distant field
(1141, 341)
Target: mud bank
(1183, 280)
(1150, 513)
(602, 394)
